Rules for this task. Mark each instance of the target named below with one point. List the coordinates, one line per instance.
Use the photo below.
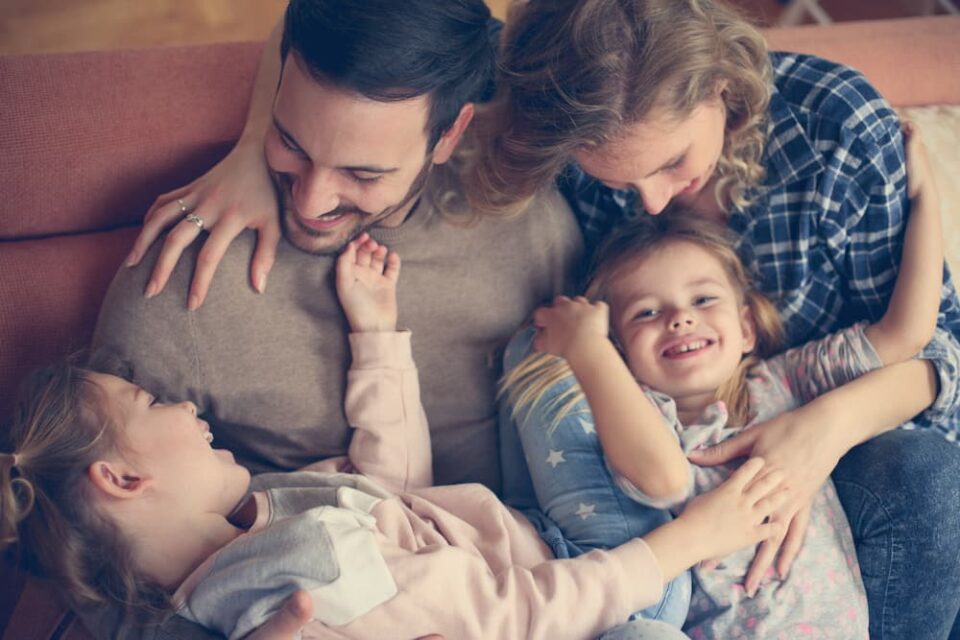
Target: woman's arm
(807, 443)
(630, 428)
(911, 316)
(236, 194)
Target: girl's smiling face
(681, 322)
(169, 448)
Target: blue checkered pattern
(825, 232)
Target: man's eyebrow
(359, 168)
(669, 162)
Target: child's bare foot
(367, 274)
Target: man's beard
(298, 235)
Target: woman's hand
(234, 195)
(565, 325)
(803, 453)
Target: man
(373, 99)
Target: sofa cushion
(940, 127)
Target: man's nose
(315, 193)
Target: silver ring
(195, 219)
(183, 207)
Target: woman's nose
(655, 196)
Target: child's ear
(749, 327)
(117, 480)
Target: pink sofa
(89, 139)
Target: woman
(663, 101)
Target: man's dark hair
(391, 50)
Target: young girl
(691, 348)
(119, 497)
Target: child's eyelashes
(646, 314)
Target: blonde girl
(692, 348)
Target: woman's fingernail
(151, 289)
(131, 259)
(193, 303)
(262, 283)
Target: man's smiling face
(342, 162)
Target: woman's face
(662, 157)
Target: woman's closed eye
(676, 164)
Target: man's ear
(749, 327)
(451, 137)
(117, 480)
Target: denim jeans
(574, 503)
(901, 493)
(644, 630)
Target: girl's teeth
(208, 436)
(693, 346)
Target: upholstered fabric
(940, 126)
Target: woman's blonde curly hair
(574, 73)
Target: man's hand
(805, 456)
(234, 195)
(367, 275)
(569, 323)
(286, 623)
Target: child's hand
(367, 276)
(568, 323)
(919, 174)
(737, 513)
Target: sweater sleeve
(459, 595)
(391, 441)
(819, 366)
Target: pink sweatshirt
(465, 565)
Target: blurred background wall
(28, 26)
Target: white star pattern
(586, 510)
(555, 458)
(587, 425)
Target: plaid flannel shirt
(825, 233)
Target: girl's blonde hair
(61, 426)
(526, 384)
(574, 73)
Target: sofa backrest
(89, 140)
